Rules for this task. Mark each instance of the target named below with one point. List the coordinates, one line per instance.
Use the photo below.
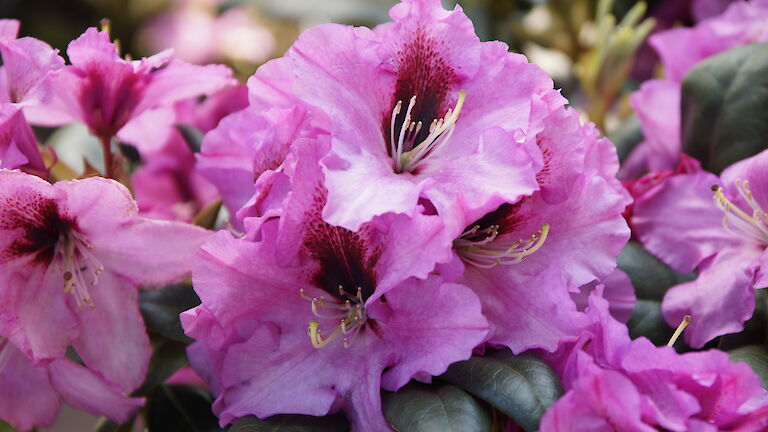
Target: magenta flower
(725, 241)
(615, 383)
(417, 108)
(358, 294)
(525, 259)
(657, 103)
(106, 92)
(72, 255)
(30, 396)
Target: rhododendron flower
(657, 103)
(72, 255)
(106, 92)
(524, 258)
(356, 293)
(417, 108)
(30, 396)
(725, 241)
(615, 383)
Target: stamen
(349, 315)
(749, 227)
(78, 261)
(486, 248)
(683, 324)
(407, 156)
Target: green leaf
(291, 423)
(520, 386)
(180, 408)
(5, 427)
(724, 101)
(756, 356)
(161, 309)
(651, 279)
(626, 137)
(441, 408)
(168, 356)
(192, 136)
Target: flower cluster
(373, 208)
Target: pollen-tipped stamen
(683, 324)
(408, 156)
(493, 249)
(350, 316)
(77, 260)
(750, 227)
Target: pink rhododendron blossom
(657, 103)
(523, 259)
(30, 395)
(371, 322)
(417, 108)
(725, 241)
(106, 92)
(72, 255)
(615, 383)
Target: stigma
(752, 227)
(406, 153)
(80, 267)
(349, 317)
(485, 248)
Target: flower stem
(106, 146)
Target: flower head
(615, 382)
(411, 114)
(106, 92)
(334, 307)
(73, 255)
(718, 227)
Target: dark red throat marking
(41, 223)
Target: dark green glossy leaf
(440, 408)
(172, 408)
(208, 215)
(291, 423)
(192, 136)
(521, 386)
(651, 279)
(168, 356)
(756, 356)
(106, 425)
(724, 101)
(161, 309)
(626, 137)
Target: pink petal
(721, 298)
(678, 222)
(27, 399)
(112, 340)
(86, 390)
